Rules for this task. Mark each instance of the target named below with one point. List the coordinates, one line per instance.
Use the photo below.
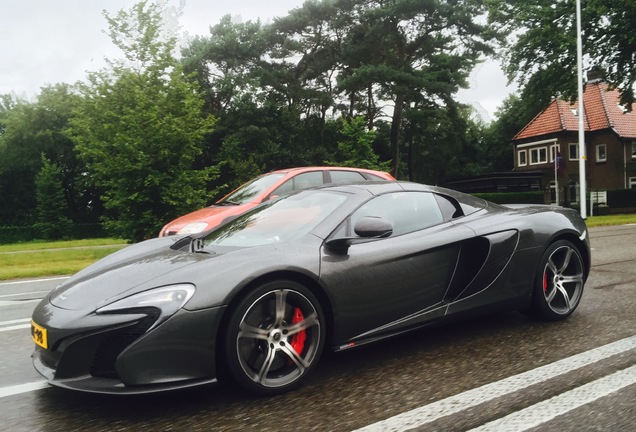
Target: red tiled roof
(602, 111)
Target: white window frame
(576, 147)
(598, 153)
(553, 151)
(537, 151)
(525, 158)
(631, 183)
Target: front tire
(559, 281)
(275, 337)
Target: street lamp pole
(582, 153)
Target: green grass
(39, 245)
(618, 219)
(37, 259)
(26, 260)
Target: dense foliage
(541, 43)
(366, 83)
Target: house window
(601, 153)
(633, 149)
(554, 150)
(573, 151)
(522, 158)
(538, 155)
(632, 183)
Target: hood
(120, 273)
(212, 216)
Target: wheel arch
(580, 246)
(306, 281)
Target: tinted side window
(284, 189)
(307, 180)
(407, 211)
(301, 181)
(345, 176)
(449, 207)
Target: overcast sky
(50, 41)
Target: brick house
(610, 141)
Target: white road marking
(15, 327)
(17, 324)
(22, 388)
(17, 302)
(24, 293)
(33, 280)
(17, 321)
(547, 410)
(471, 398)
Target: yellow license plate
(38, 333)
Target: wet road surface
(466, 365)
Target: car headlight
(168, 300)
(193, 228)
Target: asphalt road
(502, 373)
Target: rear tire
(559, 282)
(275, 337)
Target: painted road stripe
(33, 280)
(24, 293)
(471, 398)
(549, 409)
(15, 324)
(22, 388)
(17, 302)
(15, 327)
(16, 321)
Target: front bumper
(123, 355)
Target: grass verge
(37, 259)
(28, 260)
(618, 219)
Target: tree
(355, 148)
(140, 129)
(52, 222)
(422, 53)
(31, 129)
(541, 48)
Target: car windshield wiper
(226, 202)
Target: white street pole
(556, 175)
(582, 153)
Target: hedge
(19, 234)
(622, 198)
(513, 197)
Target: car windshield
(251, 190)
(284, 220)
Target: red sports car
(265, 187)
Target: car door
(384, 286)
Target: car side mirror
(373, 227)
(367, 227)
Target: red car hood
(213, 216)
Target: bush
(622, 198)
(20, 234)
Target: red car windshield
(251, 190)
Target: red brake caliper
(298, 340)
(545, 281)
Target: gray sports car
(258, 299)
